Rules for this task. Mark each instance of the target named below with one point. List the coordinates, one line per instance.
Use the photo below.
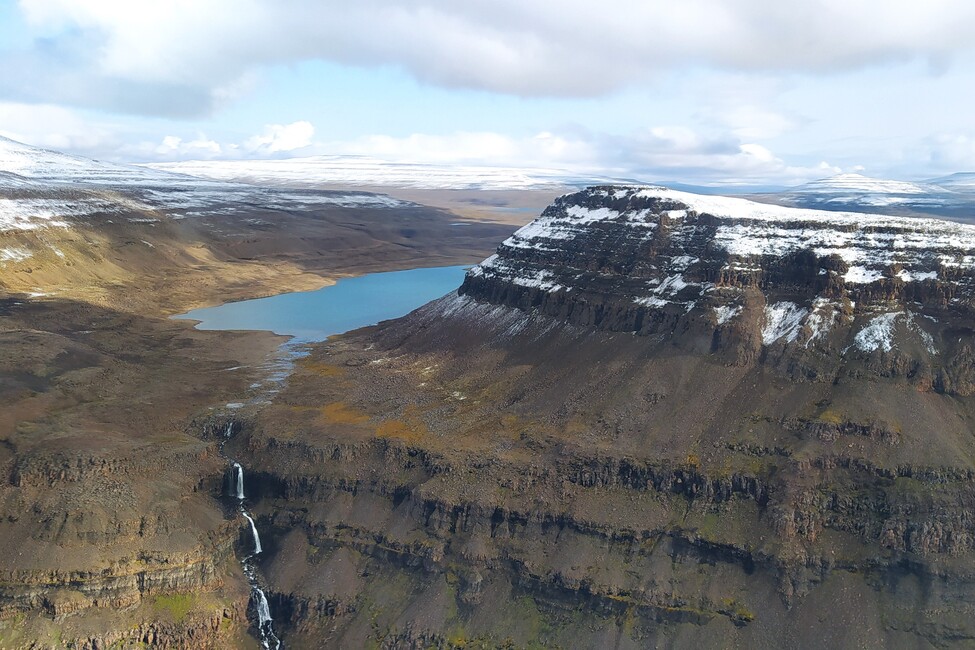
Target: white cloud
(281, 137)
(53, 127)
(471, 148)
(175, 147)
(200, 49)
(951, 152)
(753, 122)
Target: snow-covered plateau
(361, 171)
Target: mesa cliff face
(746, 280)
(651, 418)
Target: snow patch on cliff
(878, 334)
(782, 320)
(726, 313)
(862, 275)
(917, 276)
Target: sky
(742, 92)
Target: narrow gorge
(234, 480)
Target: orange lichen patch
(321, 369)
(342, 413)
(409, 428)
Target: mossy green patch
(830, 416)
(176, 605)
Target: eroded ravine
(234, 480)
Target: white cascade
(230, 429)
(263, 611)
(269, 639)
(240, 481)
(257, 538)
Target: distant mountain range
(46, 185)
(359, 171)
(949, 196)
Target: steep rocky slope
(112, 515)
(650, 419)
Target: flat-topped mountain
(737, 276)
(650, 419)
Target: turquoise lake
(347, 305)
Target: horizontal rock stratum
(651, 419)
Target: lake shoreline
(347, 304)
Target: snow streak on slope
(782, 320)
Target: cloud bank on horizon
(698, 90)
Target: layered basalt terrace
(650, 419)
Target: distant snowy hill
(357, 171)
(857, 184)
(42, 188)
(25, 165)
(960, 182)
(952, 196)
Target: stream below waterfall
(309, 317)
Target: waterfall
(263, 611)
(240, 481)
(268, 638)
(257, 538)
(235, 488)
